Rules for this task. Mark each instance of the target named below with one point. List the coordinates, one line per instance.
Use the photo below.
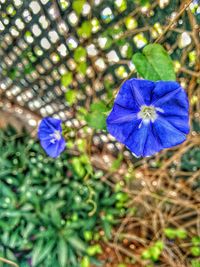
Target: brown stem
(8, 262)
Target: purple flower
(149, 116)
(50, 135)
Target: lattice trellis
(39, 39)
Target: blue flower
(50, 135)
(149, 116)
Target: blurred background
(96, 205)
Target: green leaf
(62, 252)
(196, 240)
(97, 117)
(55, 216)
(82, 68)
(36, 252)
(41, 251)
(195, 251)
(88, 235)
(66, 79)
(155, 253)
(154, 63)
(94, 249)
(77, 6)
(146, 255)
(170, 233)
(121, 5)
(144, 2)
(85, 262)
(181, 233)
(78, 166)
(80, 54)
(159, 244)
(195, 263)
(85, 30)
(71, 97)
(12, 74)
(116, 163)
(144, 68)
(77, 243)
(107, 229)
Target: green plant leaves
(80, 54)
(77, 243)
(154, 63)
(195, 263)
(85, 262)
(195, 249)
(154, 252)
(41, 251)
(71, 97)
(66, 79)
(97, 116)
(85, 30)
(62, 252)
(173, 233)
(77, 6)
(52, 225)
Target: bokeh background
(96, 205)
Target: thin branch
(172, 23)
(8, 262)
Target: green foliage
(94, 249)
(121, 5)
(130, 23)
(66, 79)
(116, 163)
(144, 2)
(154, 63)
(191, 160)
(29, 68)
(71, 97)
(85, 262)
(49, 214)
(173, 233)
(195, 263)
(77, 6)
(85, 30)
(154, 252)
(82, 68)
(97, 116)
(195, 249)
(80, 54)
(13, 73)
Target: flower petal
(53, 150)
(142, 90)
(169, 135)
(164, 91)
(181, 123)
(122, 131)
(48, 126)
(134, 93)
(136, 141)
(174, 104)
(175, 109)
(152, 144)
(121, 115)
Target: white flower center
(56, 136)
(148, 113)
